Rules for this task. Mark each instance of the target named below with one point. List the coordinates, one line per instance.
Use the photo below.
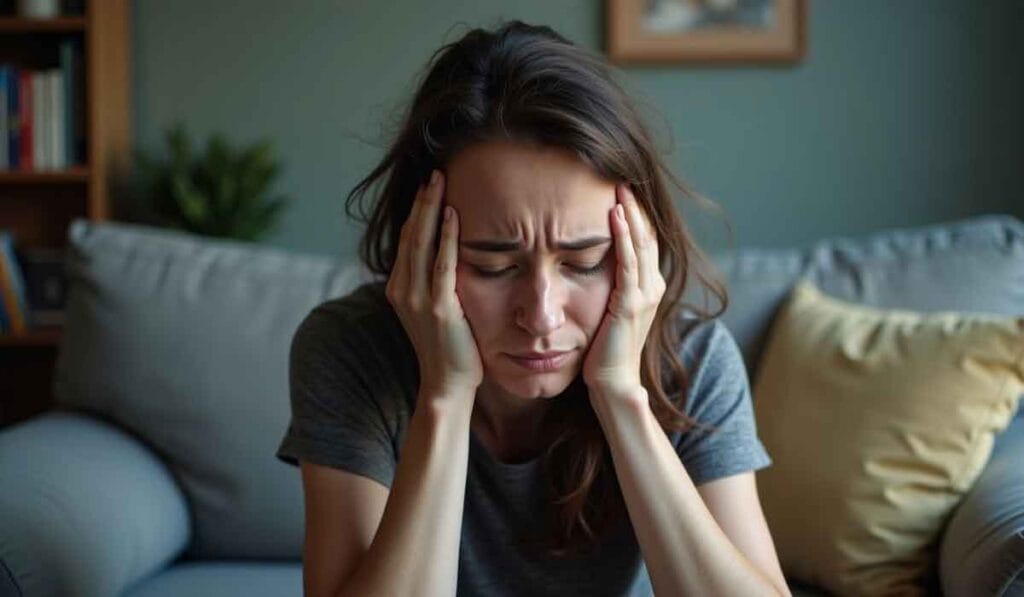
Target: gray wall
(903, 112)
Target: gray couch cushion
(975, 264)
(184, 341)
(85, 509)
(223, 579)
(983, 548)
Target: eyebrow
(501, 246)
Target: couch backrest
(183, 341)
(975, 265)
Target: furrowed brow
(501, 246)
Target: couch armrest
(982, 550)
(85, 509)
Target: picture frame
(705, 31)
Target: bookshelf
(38, 205)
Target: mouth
(536, 361)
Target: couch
(155, 473)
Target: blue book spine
(5, 317)
(5, 161)
(5, 322)
(17, 277)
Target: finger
(424, 231)
(447, 257)
(643, 238)
(626, 271)
(400, 273)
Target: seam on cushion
(216, 267)
(10, 576)
(179, 254)
(1017, 575)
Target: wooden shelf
(57, 24)
(38, 206)
(78, 174)
(42, 337)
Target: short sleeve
(718, 396)
(340, 412)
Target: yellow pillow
(878, 422)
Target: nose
(541, 306)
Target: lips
(542, 361)
(539, 355)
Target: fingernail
(433, 177)
(447, 212)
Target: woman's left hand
(611, 369)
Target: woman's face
(536, 260)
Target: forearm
(415, 550)
(685, 550)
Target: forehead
(505, 189)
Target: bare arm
(416, 548)
(687, 550)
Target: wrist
(445, 403)
(621, 402)
(633, 396)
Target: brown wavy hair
(529, 84)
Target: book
(13, 117)
(26, 100)
(40, 103)
(12, 285)
(46, 285)
(5, 322)
(55, 120)
(5, 117)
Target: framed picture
(705, 31)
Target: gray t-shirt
(353, 380)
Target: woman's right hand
(421, 289)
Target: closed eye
(583, 270)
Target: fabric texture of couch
(155, 475)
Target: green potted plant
(223, 192)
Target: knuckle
(440, 311)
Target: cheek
(590, 303)
(481, 302)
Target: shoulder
(363, 306)
(713, 362)
(358, 333)
(719, 400)
(364, 315)
(708, 344)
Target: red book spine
(25, 104)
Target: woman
(523, 408)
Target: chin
(535, 389)
(532, 386)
